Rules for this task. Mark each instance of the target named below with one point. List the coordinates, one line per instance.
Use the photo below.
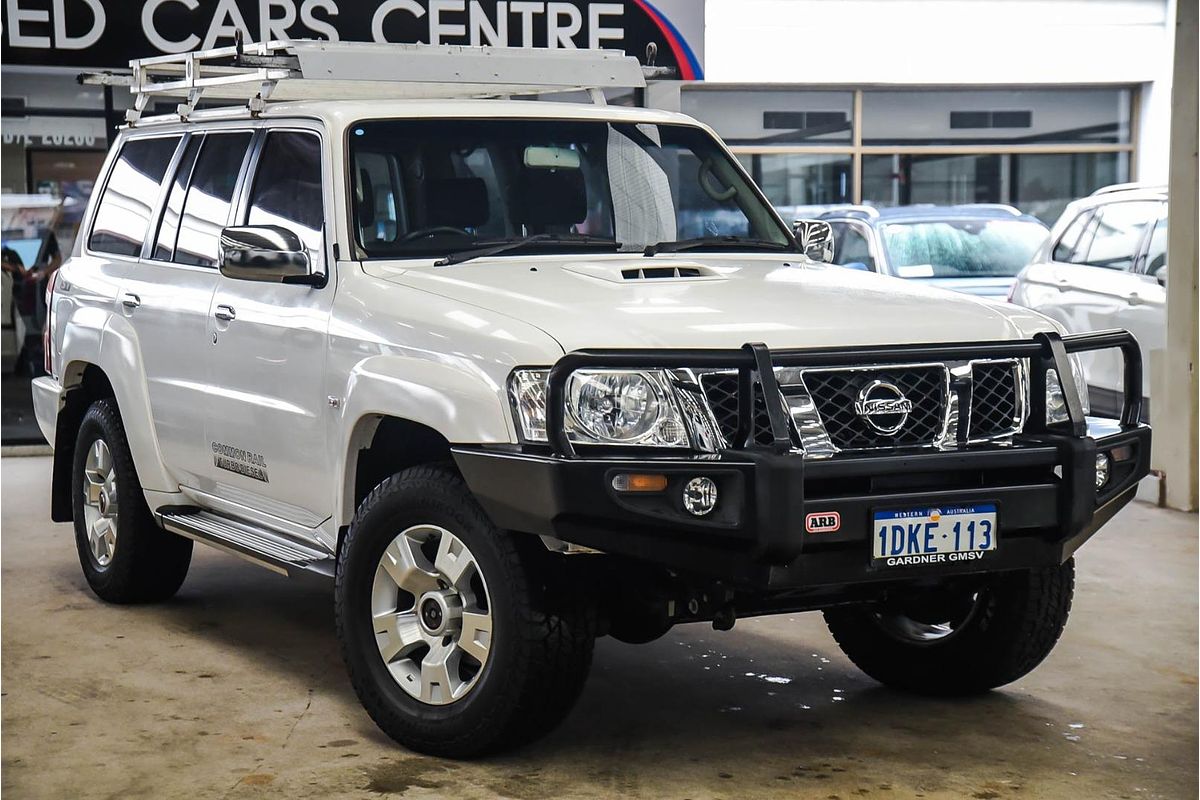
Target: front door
(268, 415)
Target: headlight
(604, 407)
(1056, 404)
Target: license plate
(934, 535)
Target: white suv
(519, 374)
(1104, 266)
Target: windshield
(961, 248)
(437, 187)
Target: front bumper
(1043, 488)
(1042, 482)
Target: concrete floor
(235, 690)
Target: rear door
(1144, 313)
(1099, 283)
(268, 416)
(167, 296)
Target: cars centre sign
(98, 34)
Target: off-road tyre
(544, 629)
(1015, 625)
(147, 564)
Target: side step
(265, 548)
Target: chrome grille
(721, 390)
(834, 392)
(995, 400)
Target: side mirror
(815, 239)
(267, 253)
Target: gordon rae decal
(243, 462)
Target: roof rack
(1130, 187)
(318, 70)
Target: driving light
(1101, 470)
(700, 496)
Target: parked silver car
(977, 249)
(1105, 266)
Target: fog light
(1101, 470)
(700, 496)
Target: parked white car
(471, 360)
(1104, 266)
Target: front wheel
(958, 640)
(459, 641)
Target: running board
(265, 548)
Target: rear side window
(287, 187)
(209, 197)
(1156, 252)
(127, 205)
(1118, 233)
(168, 228)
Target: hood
(981, 287)
(621, 301)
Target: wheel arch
(400, 412)
(382, 445)
(83, 384)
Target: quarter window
(127, 205)
(209, 197)
(287, 188)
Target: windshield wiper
(498, 246)
(723, 242)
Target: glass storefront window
(1040, 184)
(996, 116)
(769, 117)
(795, 182)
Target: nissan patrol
(515, 374)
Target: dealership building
(846, 101)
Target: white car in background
(1105, 266)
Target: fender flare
(108, 342)
(458, 401)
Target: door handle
(131, 301)
(1133, 298)
(1063, 284)
(225, 313)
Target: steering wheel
(422, 233)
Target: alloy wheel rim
(431, 614)
(100, 506)
(927, 631)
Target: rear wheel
(959, 641)
(458, 638)
(125, 556)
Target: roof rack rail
(1130, 187)
(318, 70)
